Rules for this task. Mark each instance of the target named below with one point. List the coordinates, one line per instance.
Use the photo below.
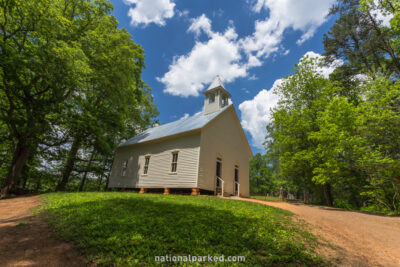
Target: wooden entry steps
(218, 191)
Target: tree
(41, 65)
(303, 96)
(261, 175)
(51, 55)
(337, 139)
(337, 152)
(117, 104)
(360, 39)
(379, 158)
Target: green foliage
(379, 118)
(359, 146)
(336, 140)
(122, 229)
(68, 74)
(261, 176)
(339, 150)
(360, 39)
(303, 96)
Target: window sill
(173, 173)
(144, 175)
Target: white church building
(205, 153)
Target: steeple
(216, 96)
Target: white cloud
(231, 57)
(255, 113)
(183, 13)
(377, 12)
(188, 74)
(305, 16)
(146, 12)
(253, 62)
(265, 39)
(323, 69)
(200, 24)
(253, 77)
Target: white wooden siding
(223, 137)
(159, 173)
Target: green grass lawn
(127, 229)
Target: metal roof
(197, 121)
(217, 83)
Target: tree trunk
(100, 180)
(24, 181)
(108, 177)
(26, 168)
(107, 180)
(19, 159)
(24, 174)
(69, 164)
(101, 176)
(328, 194)
(80, 189)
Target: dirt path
(25, 240)
(355, 238)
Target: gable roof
(197, 121)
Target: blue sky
(250, 44)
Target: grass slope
(130, 229)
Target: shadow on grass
(132, 229)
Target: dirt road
(357, 239)
(25, 240)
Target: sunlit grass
(131, 229)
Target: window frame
(146, 164)
(236, 181)
(211, 98)
(218, 164)
(124, 167)
(236, 174)
(174, 162)
(224, 101)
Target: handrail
(238, 192)
(222, 187)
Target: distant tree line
(70, 92)
(336, 141)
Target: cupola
(216, 96)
